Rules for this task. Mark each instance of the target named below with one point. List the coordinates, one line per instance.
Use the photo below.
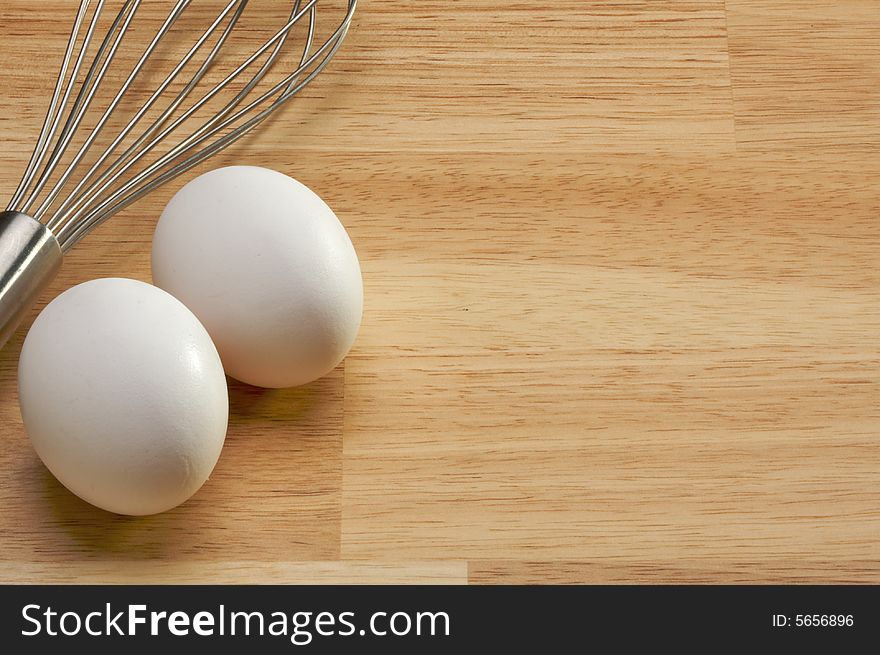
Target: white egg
(268, 269)
(123, 396)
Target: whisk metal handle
(29, 258)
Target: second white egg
(268, 269)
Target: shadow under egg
(249, 404)
(89, 530)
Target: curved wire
(110, 182)
(64, 140)
(54, 112)
(95, 131)
(119, 200)
(208, 129)
(131, 156)
(77, 191)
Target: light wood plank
(796, 571)
(805, 75)
(679, 374)
(234, 572)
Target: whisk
(67, 191)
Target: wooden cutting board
(622, 272)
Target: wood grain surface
(622, 323)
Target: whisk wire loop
(73, 192)
(133, 155)
(53, 114)
(149, 103)
(214, 126)
(84, 100)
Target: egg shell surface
(123, 396)
(269, 270)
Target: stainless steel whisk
(56, 204)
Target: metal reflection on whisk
(56, 204)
